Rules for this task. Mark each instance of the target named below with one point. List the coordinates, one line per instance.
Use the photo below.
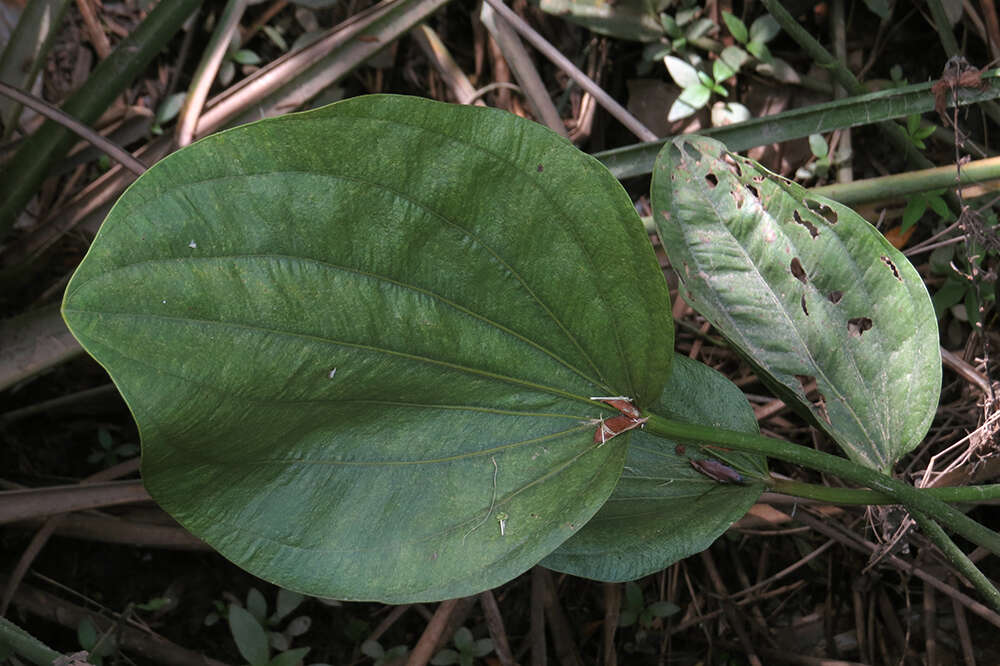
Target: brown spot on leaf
(737, 197)
(858, 325)
(798, 271)
(806, 382)
(888, 262)
(679, 449)
(835, 296)
(803, 303)
(813, 231)
(821, 209)
(820, 404)
(540, 168)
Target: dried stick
(148, 645)
(428, 642)
(563, 63)
(69, 122)
(494, 622)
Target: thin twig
(494, 622)
(524, 70)
(39, 105)
(563, 63)
(207, 69)
(425, 647)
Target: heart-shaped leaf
(353, 337)
(662, 509)
(807, 290)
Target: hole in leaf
(888, 262)
(858, 325)
(758, 179)
(835, 296)
(821, 209)
(798, 271)
(737, 169)
(692, 151)
(803, 303)
(820, 405)
(711, 180)
(806, 382)
(753, 191)
(813, 231)
(737, 197)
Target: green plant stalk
(967, 494)
(855, 111)
(959, 559)
(904, 184)
(25, 644)
(912, 498)
(32, 162)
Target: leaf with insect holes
(352, 337)
(662, 509)
(827, 309)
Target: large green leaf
(806, 289)
(353, 337)
(662, 509)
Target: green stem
(963, 494)
(912, 498)
(959, 559)
(25, 644)
(911, 182)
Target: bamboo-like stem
(912, 498)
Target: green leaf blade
(662, 509)
(737, 28)
(808, 290)
(250, 637)
(342, 369)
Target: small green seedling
(634, 609)
(109, 453)
(98, 645)
(382, 657)
(917, 132)
(467, 650)
(919, 203)
(255, 634)
(696, 86)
